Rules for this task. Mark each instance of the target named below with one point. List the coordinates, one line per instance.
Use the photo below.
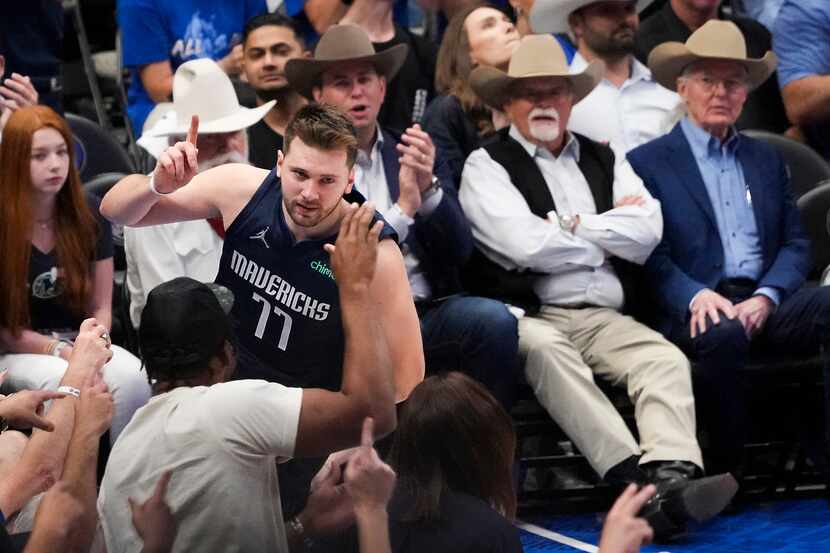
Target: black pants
(800, 326)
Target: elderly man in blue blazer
(400, 172)
(730, 269)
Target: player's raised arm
(333, 420)
(175, 191)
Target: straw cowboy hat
(200, 87)
(715, 40)
(536, 56)
(551, 16)
(342, 43)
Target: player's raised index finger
(367, 436)
(194, 130)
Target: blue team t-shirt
(180, 30)
(286, 311)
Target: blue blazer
(690, 256)
(443, 241)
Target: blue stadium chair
(96, 151)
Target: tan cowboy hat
(536, 56)
(551, 16)
(342, 43)
(200, 87)
(715, 40)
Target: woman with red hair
(56, 263)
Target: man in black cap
(221, 439)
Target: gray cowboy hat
(342, 43)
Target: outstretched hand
(369, 481)
(178, 164)
(354, 255)
(623, 531)
(24, 409)
(91, 350)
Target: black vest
(596, 161)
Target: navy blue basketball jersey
(286, 312)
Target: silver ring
(107, 339)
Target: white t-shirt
(222, 443)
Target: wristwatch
(433, 189)
(568, 222)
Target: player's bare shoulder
(231, 186)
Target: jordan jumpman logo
(261, 236)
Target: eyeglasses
(730, 86)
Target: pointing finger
(193, 133)
(367, 437)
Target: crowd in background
(368, 228)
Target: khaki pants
(564, 348)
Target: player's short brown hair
(325, 127)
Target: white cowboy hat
(342, 43)
(536, 56)
(551, 16)
(715, 40)
(200, 87)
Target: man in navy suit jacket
(729, 271)
(417, 197)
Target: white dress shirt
(160, 253)
(577, 266)
(370, 180)
(626, 117)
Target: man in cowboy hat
(459, 332)
(189, 248)
(730, 270)
(627, 108)
(679, 18)
(557, 217)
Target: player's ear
(351, 181)
(280, 160)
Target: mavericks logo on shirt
(278, 288)
(47, 286)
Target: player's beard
(309, 223)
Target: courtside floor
(782, 527)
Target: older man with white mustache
(192, 249)
(559, 220)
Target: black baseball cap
(184, 325)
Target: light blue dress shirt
(732, 203)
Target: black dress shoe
(681, 497)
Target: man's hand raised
(90, 352)
(355, 253)
(178, 164)
(624, 531)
